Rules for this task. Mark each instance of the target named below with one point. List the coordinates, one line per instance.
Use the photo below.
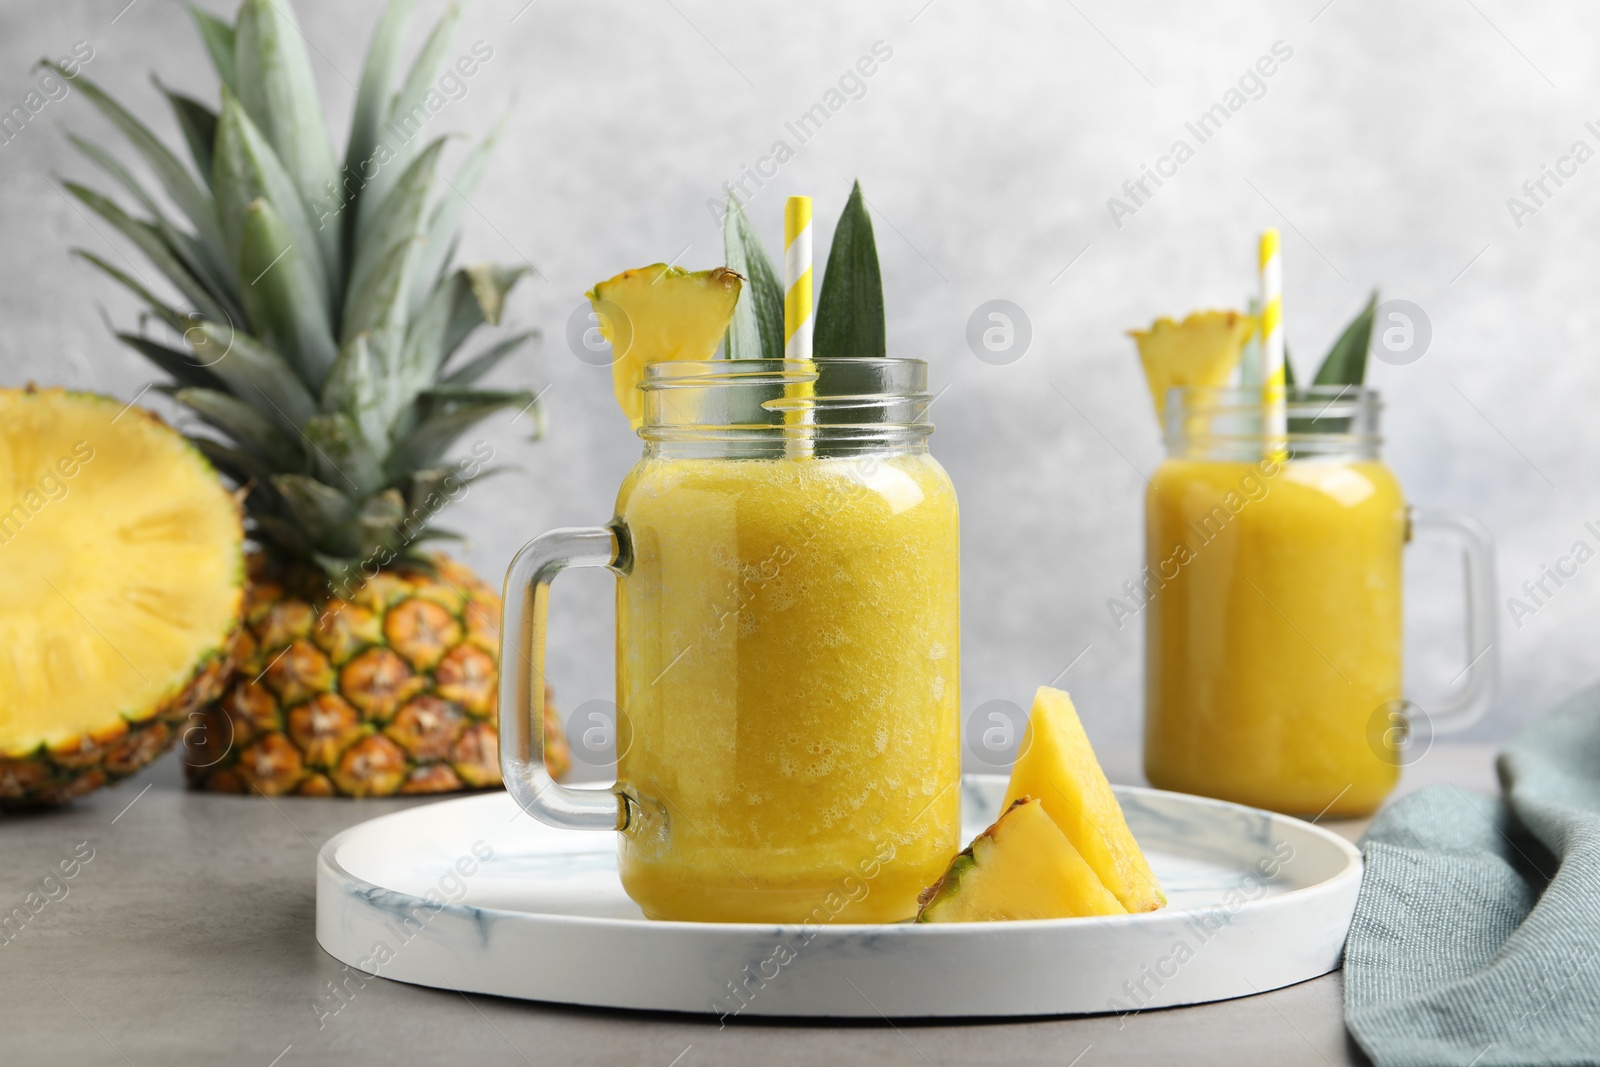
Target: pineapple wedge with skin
(1203, 350)
(657, 314)
(1022, 867)
(123, 559)
(1059, 767)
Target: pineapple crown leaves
(324, 327)
(850, 319)
(849, 316)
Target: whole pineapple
(321, 329)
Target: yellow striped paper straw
(797, 324)
(797, 311)
(1274, 414)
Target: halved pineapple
(1203, 349)
(1059, 767)
(123, 570)
(658, 313)
(1022, 867)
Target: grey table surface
(188, 938)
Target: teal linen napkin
(1476, 938)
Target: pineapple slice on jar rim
(657, 314)
(1202, 350)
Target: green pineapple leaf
(253, 372)
(243, 467)
(354, 388)
(341, 454)
(279, 93)
(451, 303)
(199, 126)
(407, 114)
(174, 318)
(378, 308)
(247, 170)
(325, 514)
(244, 424)
(149, 241)
(198, 258)
(219, 41)
(400, 217)
(490, 283)
(181, 366)
(382, 522)
(277, 530)
(471, 297)
(480, 365)
(117, 172)
(282, 294)
(756, 331)
(1346, 361)
(170, 171)
(850, 308)
(372, 98)
(443, 481)
(441, 421)
(444, 224)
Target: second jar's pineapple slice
(658, 313)
(1059, 767)
(1022, 867)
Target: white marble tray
(474, 895)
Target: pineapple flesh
(119, 612)
(1201, 350)
(1059, 767)
(318, 336)
(1022, 867)
(659, 313)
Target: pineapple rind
(1022, 867)
(378, 755)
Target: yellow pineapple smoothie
(787, 669)
(1273, 630)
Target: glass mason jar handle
(523, 626)
(1470, 702)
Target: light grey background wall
(988, 144)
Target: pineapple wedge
(1059, 767)
(658, 313)
(1203, 349)
(1022, 867)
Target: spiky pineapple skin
(52, 776)
(391, 691)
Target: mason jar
(787, 661)
(1272, 594)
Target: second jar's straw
(797, 310)
(1274, 412)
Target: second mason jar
(787, 646)
(1272, 601)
